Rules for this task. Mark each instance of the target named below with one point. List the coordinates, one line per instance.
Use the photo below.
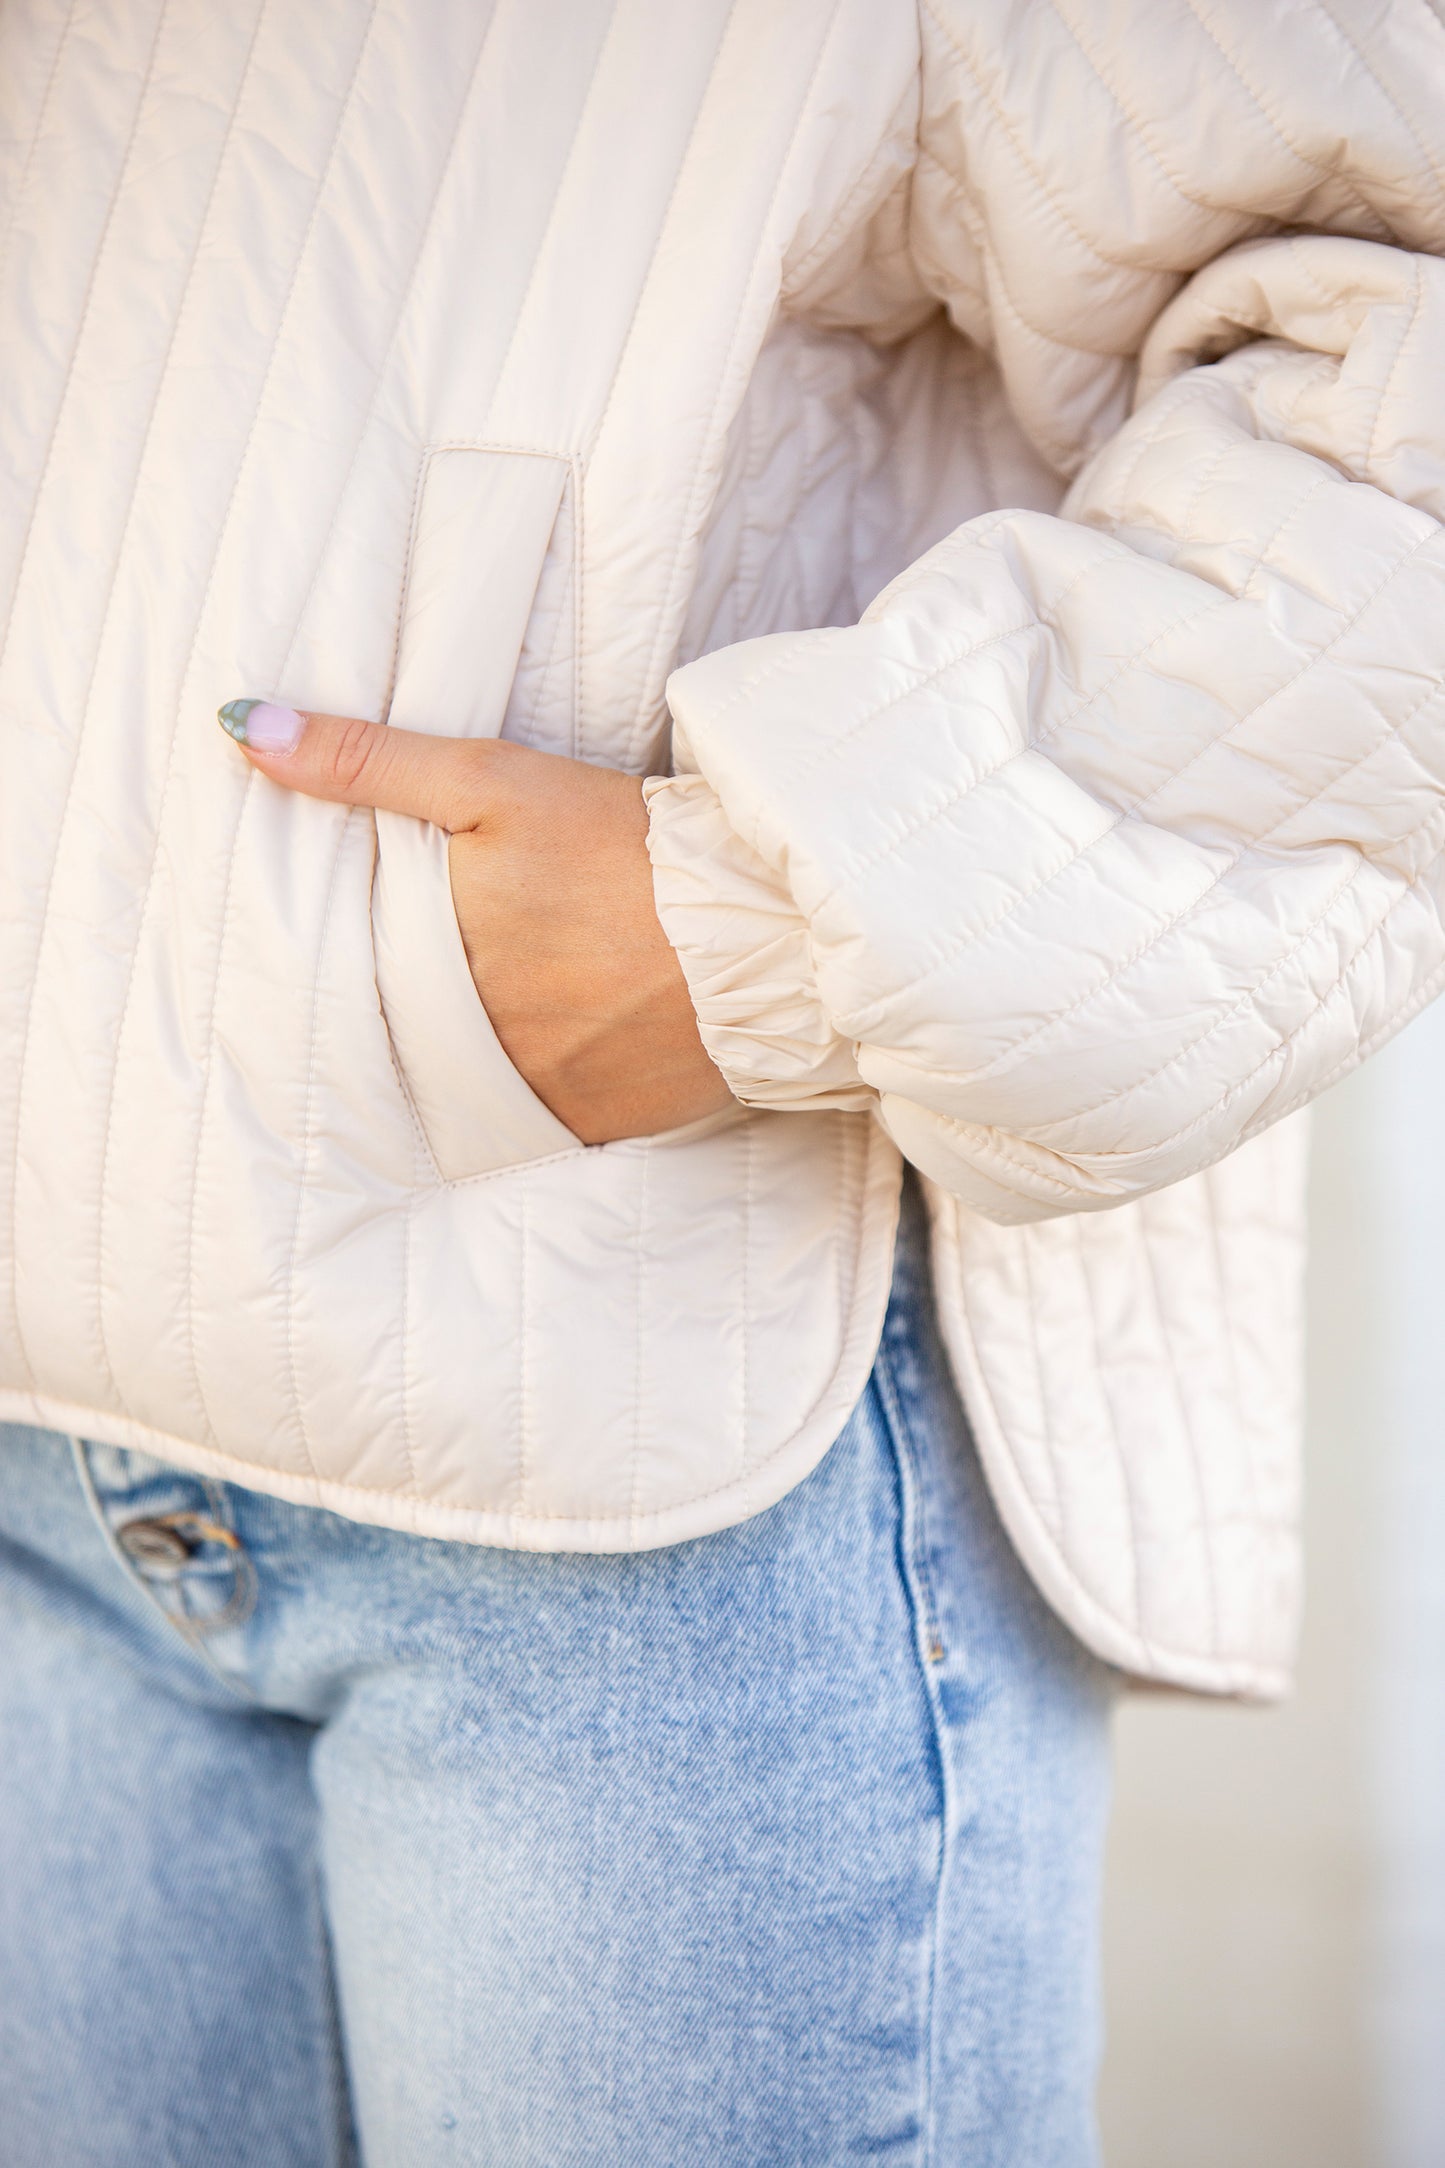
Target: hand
(552, 886)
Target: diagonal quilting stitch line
(971, 782)
(1364, 1048)
(828, 748)
(1275, 1057)
(860, 1025)
(1162, 409)
(27, 1023)
(942, 275)
(1295, 148)
(1322, 482)
(1247, 1001)
(794, 644)
(691, 503)
(1358, 57)
(42, 114)
(1133, 266)
(1373, 935)
(1002, 298)
(899, 126)
(1044, 737)
(1349, 624)
(1142, 133)
(122, 170)
(1411, 326)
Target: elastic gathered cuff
(744, 949)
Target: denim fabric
(781, 1847)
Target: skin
(552, 886)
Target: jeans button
(152, 1543)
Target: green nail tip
(232, 718)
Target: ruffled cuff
(744, 950)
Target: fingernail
(262, 725)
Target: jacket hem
(752, 1493)
(1115, 1640)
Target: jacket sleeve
(1104, 841)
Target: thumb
(359, 763)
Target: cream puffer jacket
(477, 366)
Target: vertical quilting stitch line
(1120, 1458)
(689, 521)
(247, 791)
(179, 317)
(443, 170)
(1026, 1249)
(563, 618)
(27, 1021)
(637, 734)
(419, 1158)
(403, 592)
(293, 1368)
(550, 221)
(42, 115)
(90, 688)
(639, 1291)
(1186, 1420)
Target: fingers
(359, 763)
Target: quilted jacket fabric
(479, 366)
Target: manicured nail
(262, 725)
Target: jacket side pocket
(483, 525)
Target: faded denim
(774, 1849)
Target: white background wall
(1275, 1916)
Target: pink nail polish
(262, 725)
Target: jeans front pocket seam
(928, 1651)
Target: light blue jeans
(319, 1841)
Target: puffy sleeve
(1103, 841)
